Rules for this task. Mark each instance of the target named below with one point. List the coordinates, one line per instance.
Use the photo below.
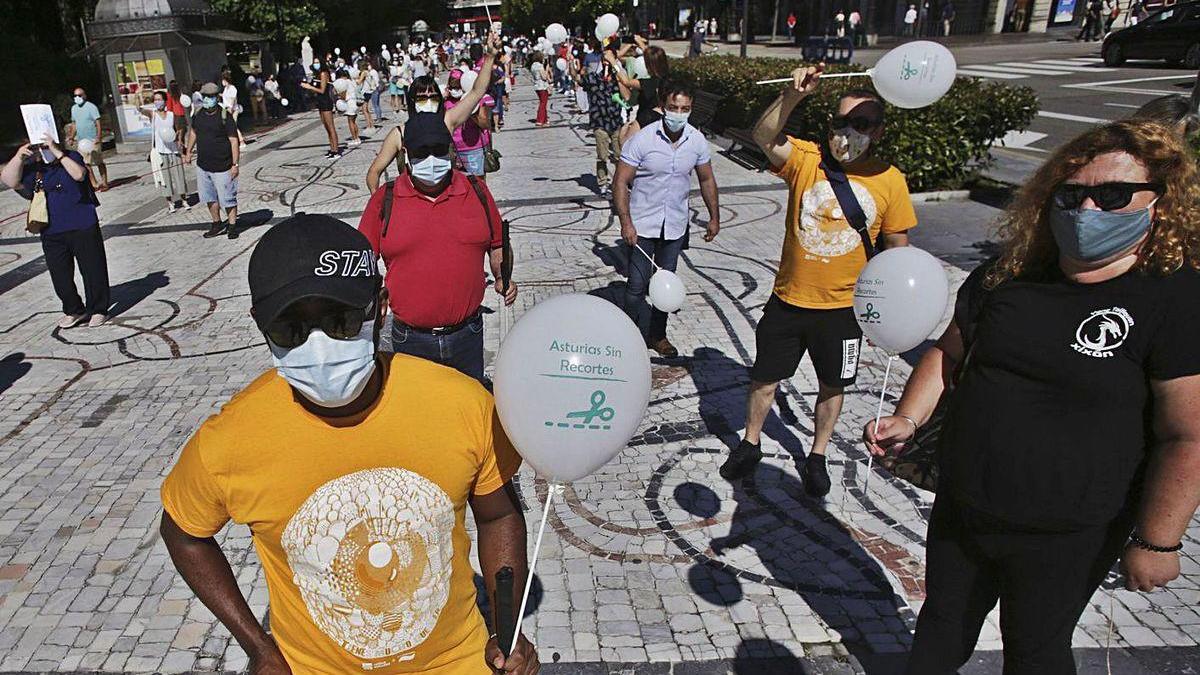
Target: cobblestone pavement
(653, 560)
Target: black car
(1172, 34)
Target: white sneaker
(97, 320)
(354, 143)
(71, 320)
(187, 206)
(171, 208)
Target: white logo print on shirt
(1102, 331)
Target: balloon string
(878, 416)
(824, 76)
(555, 488)
(639, 248)
(1112, 609)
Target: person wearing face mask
(471, 137)
(1071, 440)
(360, 532)
(433, 226)
(426, 97)
(843, 202)
(655, 217)
(213, 141)
(605, 120)
(88, 126)
(164, 144)
(72, 237)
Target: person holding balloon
(1070, 438)
(165, 145)
(841, 200)
(354, 470)
(654, 215)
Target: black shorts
(830, 336)
(324, 102)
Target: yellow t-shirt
(359, 526)
(822, 253)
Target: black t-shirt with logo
(1049, 426)
(213, 131)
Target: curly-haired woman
(1072, 438)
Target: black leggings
(1042, 580)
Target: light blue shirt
(658, 203)
(85, 116)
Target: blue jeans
(666, 255)
(461, 350)
(375, 106)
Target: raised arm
(459, 114)
(622, 78)
(393, 145)
(206, 570)
(11, 174)
(768, 131)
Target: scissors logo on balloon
(907, 72)
(869, 315)
(587, 417)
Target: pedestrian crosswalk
(1017, 70)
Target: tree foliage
(532, 16)
(298, 17)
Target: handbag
(38, 217)
(491, 158)
(918, 463)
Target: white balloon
(86, 145)
(351, 108)
(900, 298)
(337, 51)
(561, 63)
(340, 105)
(667, 293)
(185, 101)
(556, 33)
(468, 80)
(607, 24)
(915, 74)
(283, 102)
(572, 385)
(167, 134)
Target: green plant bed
(938, 148)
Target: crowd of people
(1070, 442)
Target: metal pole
(745, 26)
(775, 22)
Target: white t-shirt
(229, 98)
(272, 88)
(910, 16)
(539, 81)
(371, 83)
(157, 124)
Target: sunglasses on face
(418, 154)
(860, 123)
(1108, 196)
(342, 324)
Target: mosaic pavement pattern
(652, 559)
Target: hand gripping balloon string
(781, 80)
(555, 489)
(878, 415)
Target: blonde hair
(1028, 247)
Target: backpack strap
(506, 262)
(385, 214)
(849, 203)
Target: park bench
(704, 108)
(748, 152)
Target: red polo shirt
(435, 250)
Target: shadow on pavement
(128, 294)
(12, 368)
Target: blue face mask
(674, 121)
(430, 170)
(209, 101)
(1090, 235)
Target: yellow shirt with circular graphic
(822, 253)
(360, 524)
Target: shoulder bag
(846, 199)
(38, 217)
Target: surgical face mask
(847, 144)
(209, 101)
(316, 66)
(328, 372)
(431, 170)
(456, 93)
(429, 105)
(674, 121)
(159, 105)
(1091, 235)
(78, 100)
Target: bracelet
(1147, 546)
(910, 421)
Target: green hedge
(939, 147)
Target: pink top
(470, 136)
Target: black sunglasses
(417, 154)
(344, 324)
(860, 123)
(1108, 196)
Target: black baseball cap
(425, 130)
(310, 256)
